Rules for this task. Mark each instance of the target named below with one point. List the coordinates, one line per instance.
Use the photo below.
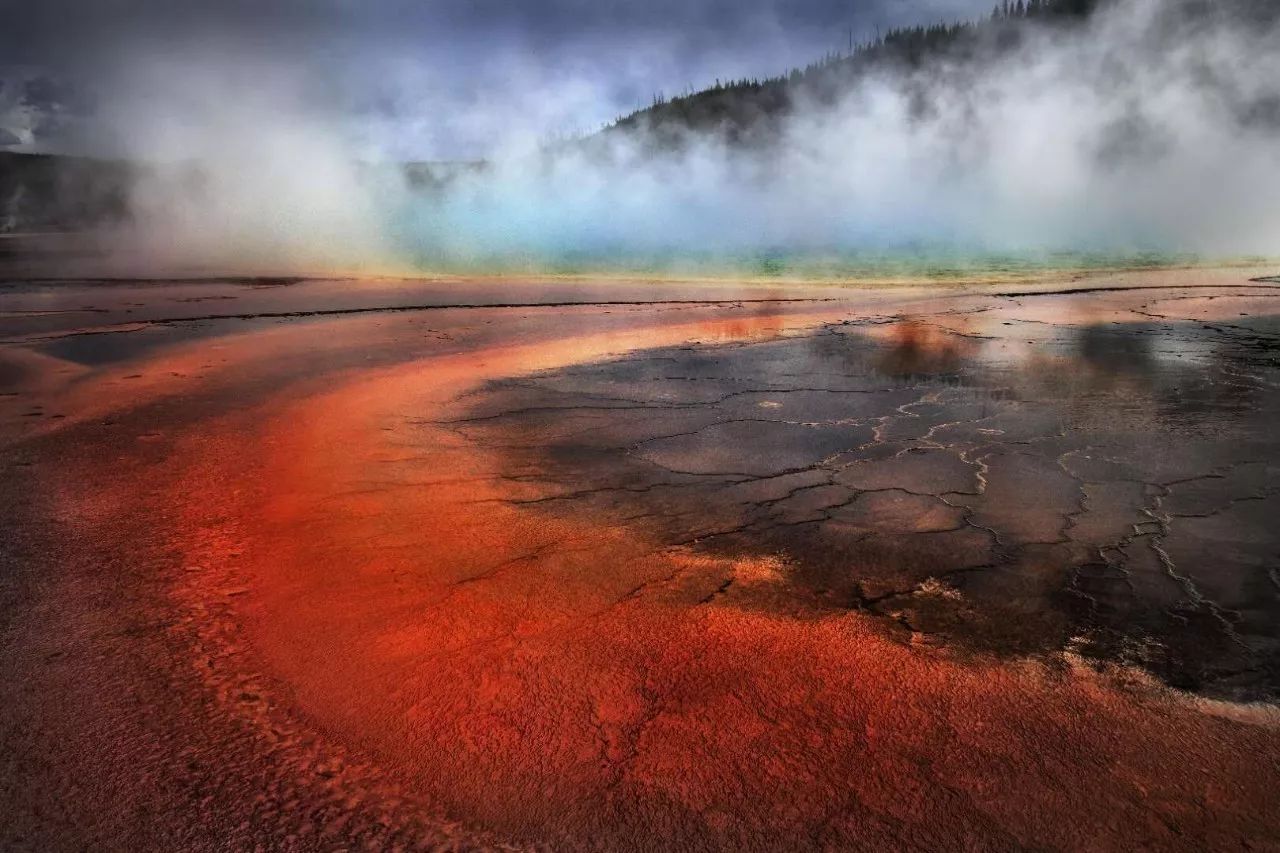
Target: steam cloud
(1142, 130)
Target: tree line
(748, 107)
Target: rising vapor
(1145, 129)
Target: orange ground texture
(349, 566)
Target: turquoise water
(937, 264)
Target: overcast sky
(421, 79)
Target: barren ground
(303, 564)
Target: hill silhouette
(750, 111)
(41, 192)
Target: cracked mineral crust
(633, 566)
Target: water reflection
(918, 350)
(1097, 488)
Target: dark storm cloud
(38, 25)
(414, 71)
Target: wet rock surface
(715, 570)
(1107, 483)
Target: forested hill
(750, 111)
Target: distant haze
(417, 79)
(1142, 131)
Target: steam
(243, 170)
(1142, 131)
